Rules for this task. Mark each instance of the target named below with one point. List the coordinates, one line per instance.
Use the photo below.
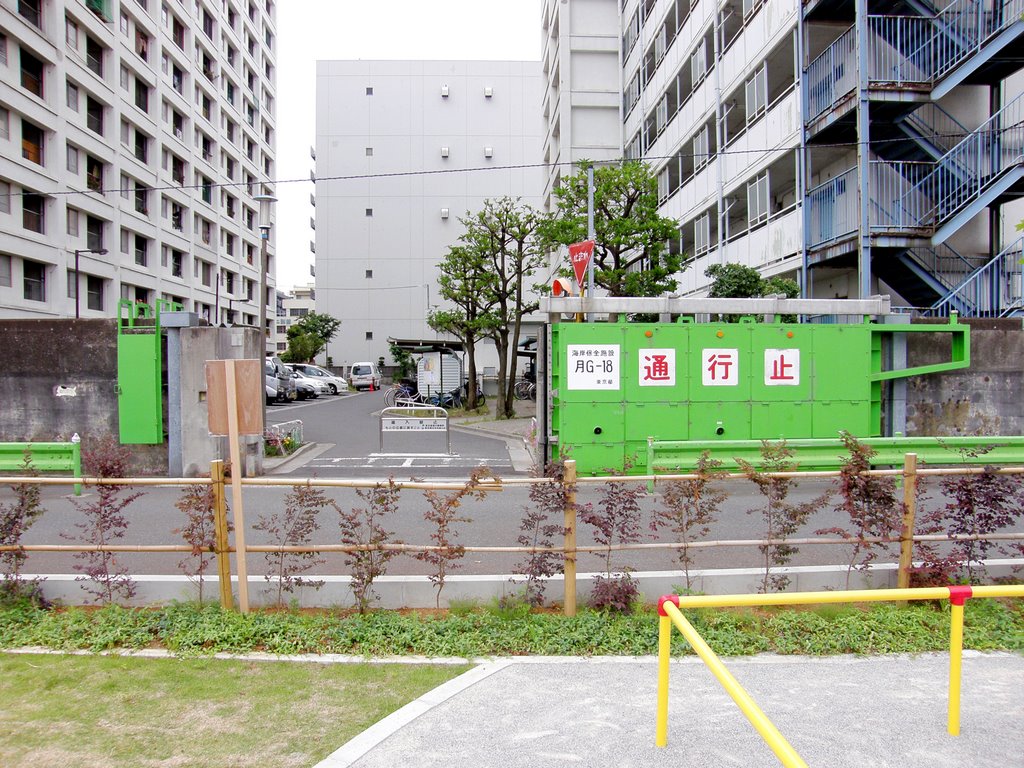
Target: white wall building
(403, 149)
(858, 147)
(292, 306)
(142, 128)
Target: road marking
(408, 462)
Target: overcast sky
(312, 30)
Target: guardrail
(46, 457)
(826, 454)
(670, 613)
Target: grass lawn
(108, 711)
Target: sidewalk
(839, 712)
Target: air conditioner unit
(444, 91)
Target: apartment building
(146, 132)
(403, 150)
(292, 306)
(857, 147)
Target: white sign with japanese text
(720, 367)
(592, 366)
(781, 367)
(657, 368)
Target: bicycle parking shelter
(614, 387)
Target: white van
(364, 376)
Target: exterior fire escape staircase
(928, 175)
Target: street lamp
(78, 285)
(265, 202)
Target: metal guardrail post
(569, 566)
(957, 597)
(220, 530)
(909, 513)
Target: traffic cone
(371, 385)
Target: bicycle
(525, 390)
(401, 394)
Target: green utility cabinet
(614, 385)
(139, 374)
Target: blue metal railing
(907, 51)
(991, 290)
(937, 126)
(834, 211)
(898, 200)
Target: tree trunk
(501, 344)
(471, 374)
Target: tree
(308, 337)
(630, 256)
(737, 281)
(505, 237)
(465, 282)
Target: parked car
(285, 383)
(364, 376)
(334, 383)
(318, 386)
(304, 389)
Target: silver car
(334, 384)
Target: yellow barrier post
(957, 597)
(775, 740)
(569, 567)
(664, 655)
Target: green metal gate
(139, 370)
(614, 385)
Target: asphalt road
(349, 426)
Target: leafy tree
(738, 281)
(466, 282)
(404, 361)
(506, 232)
(630, 255)
(308, 337)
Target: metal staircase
(927, 174)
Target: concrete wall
(197, 346)
(60, 377)
(984, 399)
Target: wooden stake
(569, 569)
(220, 529)
(909, 512)
(236, 489)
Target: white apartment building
(403, 150)
(134, 137)
(292, 306)
(858, 147)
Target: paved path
(840, 712)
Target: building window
(141, 199)
(141, 95)
(32, 212)
(94, 292)
(31, 73)
(71, 33)
(141, 250)
(5, 197)
(757, 94)
(701, 155)
(93, 173)
(5, 123)
(369, 211)
(757, 199)
(5, 270)
(31, 142)
(72, 284)
(369, 90)
(369, 151)
(73, 97)
(72, 159)
(369, 335)
(125, 76)
(702, 234)
(369, 274)
(72, 217)
(31, 11)
(93, 233)
(34, 280)
(94, 56)
(94, 115)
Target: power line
(478, 169)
